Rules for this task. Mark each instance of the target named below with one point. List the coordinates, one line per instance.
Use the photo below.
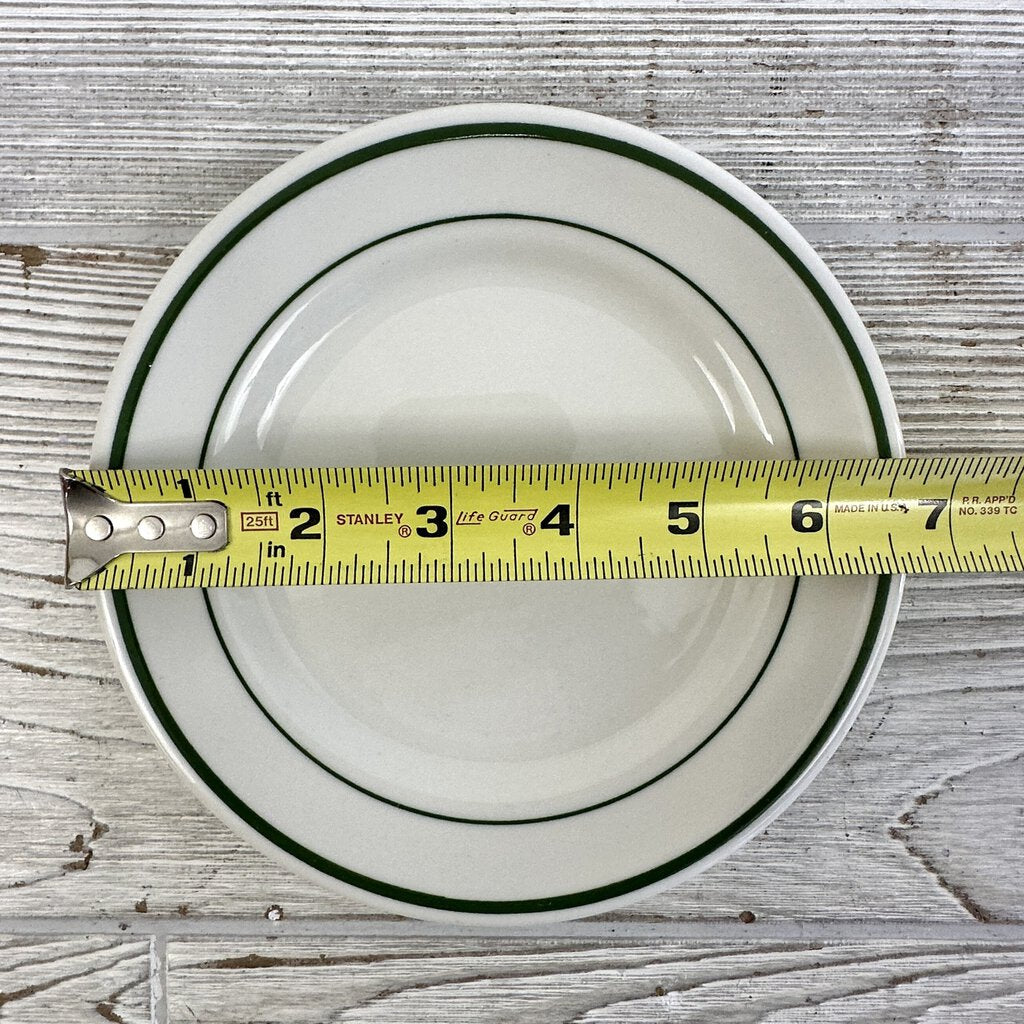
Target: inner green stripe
(505, 821)
(716, 306)
(248, 687)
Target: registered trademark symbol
(404, 531)
(529, 529)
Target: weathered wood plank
(157, 113)
(537, 981)
(948, 323)
(918, 818)
(77, 980)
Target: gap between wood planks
(826, 931)
(921, 232)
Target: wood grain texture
(919, 817)
(74, 980)
(544, 982)
(128, 113)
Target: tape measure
(142, 528)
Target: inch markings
(564, 521)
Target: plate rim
(475, 121)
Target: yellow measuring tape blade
(647, 520)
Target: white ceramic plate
(499, 284)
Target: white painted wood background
(892, 135)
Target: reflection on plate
(499, 284)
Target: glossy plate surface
(499, 284)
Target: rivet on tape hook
(99, 528)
